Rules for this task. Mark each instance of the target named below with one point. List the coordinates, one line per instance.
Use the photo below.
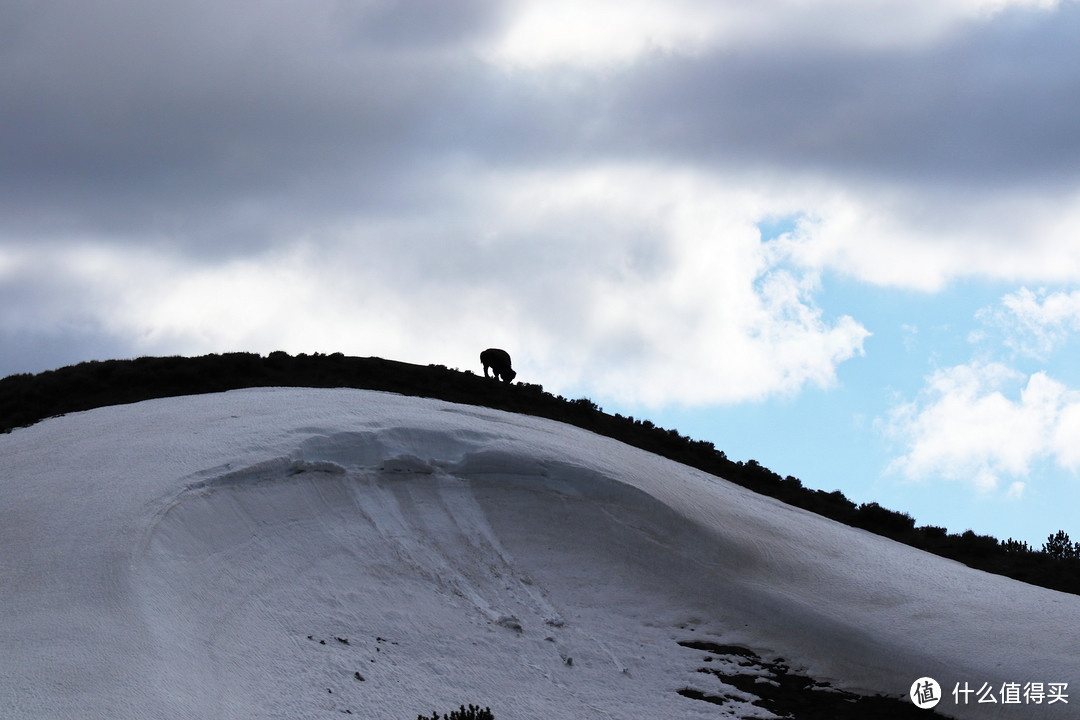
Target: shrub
(586, 404)
(970, 545)
(473, 712)
(883, 521)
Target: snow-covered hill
(304, 553)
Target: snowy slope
(295, 553)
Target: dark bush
(974, 544)
(586, 404)
(473, 712)
(883, 521)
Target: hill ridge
(26, 399)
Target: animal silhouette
(498, 361)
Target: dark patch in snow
(406, 464)
(509, 621)
(787, 694)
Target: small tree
(1016, 546)
(1061, 547)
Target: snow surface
(303, 553)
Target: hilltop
(26, 399)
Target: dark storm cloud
(411, 25)
(992, 105)
(221, 124)
(133, 119)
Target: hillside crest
(26, 399)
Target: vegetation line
(26, 399)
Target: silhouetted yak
(499, 363)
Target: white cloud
(619, 282)
(1035, 323)
(1065, 442)
(918, 240)
(591, 32)
(982, 423)
(544, 33)
(1016, 490)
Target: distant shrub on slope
(473, 712)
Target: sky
(840, 237)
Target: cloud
(181, 120)
(214, 127)
(380, 179)
(986, 422)
(593, 281)
(982, 423)
(546, 33)
(979, 106)
(1035, 323)
(892, 238)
